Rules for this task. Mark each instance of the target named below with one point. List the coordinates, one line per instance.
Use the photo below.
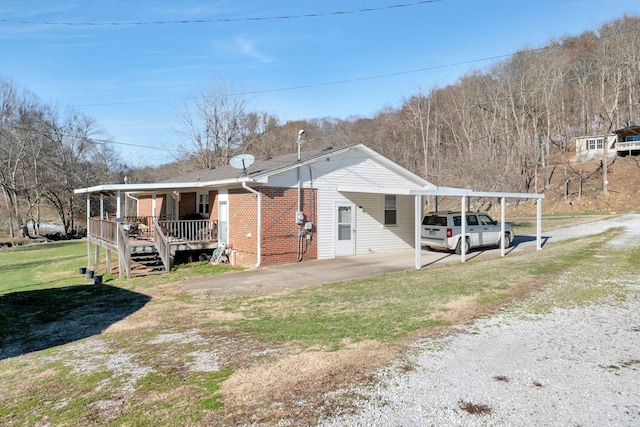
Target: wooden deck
(134, 241)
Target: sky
(132, 65)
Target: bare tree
(18, 116)
(71, 147)
(212, 126)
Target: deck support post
(88, 229)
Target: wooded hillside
(507, 128)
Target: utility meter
(299, 217)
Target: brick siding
(187, 204)
(280, 233)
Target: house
(628, 141)
(592, 147)
(313, 205)
(622, 142)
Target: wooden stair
(146, 261)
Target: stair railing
(124, 252)
(161, 243)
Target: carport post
(418, 231)
(539, 224)
(463, 237)
(502, 209)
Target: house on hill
(622, 142)
(322, 204)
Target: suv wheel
(466, 247)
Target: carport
(464, 195)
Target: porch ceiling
(156, 187)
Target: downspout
(299, 220)
(259, 220)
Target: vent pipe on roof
(300, 133)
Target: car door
(474, 230)
(490, 230)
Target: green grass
(390, 307)
(211, 384)
(41, 266)
(528, 225)
(55, 265)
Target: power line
(315, 85)
(223, 20)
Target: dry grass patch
(299, 382)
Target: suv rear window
(435, 220)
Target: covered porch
(143, 244)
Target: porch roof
(628, 131)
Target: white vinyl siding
(371, 234)
(356, 169)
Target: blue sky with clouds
(316, 62)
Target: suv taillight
(449, 233)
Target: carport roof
(459, 192)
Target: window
(600, 143)
(591, 144)
(390, 210)
(472, 220)
(203, 203)
(486, 220)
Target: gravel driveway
(576, 365)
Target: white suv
(442, 230)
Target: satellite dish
(242, 161)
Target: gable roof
(260, 171)
(261, 167)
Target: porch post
(118, 210)
(102, 217)
(118, 223)
(418, 229)
(88, 230)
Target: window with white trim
(390, 210)
(202, 200)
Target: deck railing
(124, 253)
(195, 230)
(627, 145)
(163, 247)
(115, 236)
(104, 231)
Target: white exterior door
(345, 224)
(223, 221)
(173, 208)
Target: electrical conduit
(259, 220)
